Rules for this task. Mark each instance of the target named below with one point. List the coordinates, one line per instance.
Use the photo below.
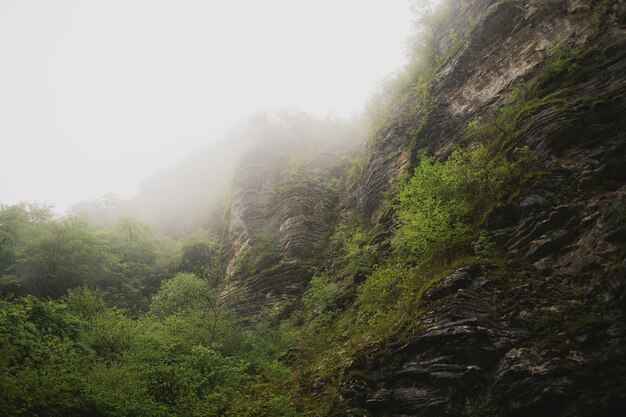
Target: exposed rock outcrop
(488, 349)
(291, 194)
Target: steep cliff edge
(537, 326)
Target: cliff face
(505, 45)
(546, 336)
(289, 193)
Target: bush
(321, 294)
(110, 334)
(199, 257)
(274, 406)
(183, 292)
(354, 247)
(261, 253)
(440, 205)
(85, 302)
(382, 289)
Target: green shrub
(271, 406)
(383, 288)
(199, 257)
(213, 372)
(183, 292)
(355, 251)
(110, 334)
(261, 253)
(321, 295)
(85, 302)
(439, 206)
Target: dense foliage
(77, 357)
(440, 205)
(118, 322)
(44, 256)
(120, 348)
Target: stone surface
(295, 206)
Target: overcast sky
(97, 94)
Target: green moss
(553, 334)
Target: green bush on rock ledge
(439, 206)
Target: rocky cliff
(545, 333)
(288, 192)
(547, 338)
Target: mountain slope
(532, 325)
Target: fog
(97, 95)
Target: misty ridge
(127, 245)
(193, 195)
(95, 85)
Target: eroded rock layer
(280, 193)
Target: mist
(101, 97)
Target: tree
(56, 256)
(184, 292)
(199, 257)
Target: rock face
(487, 350)
(395, 144)
(293, 199)
(549, 339)
(506, 44)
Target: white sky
(96, 94)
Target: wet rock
(461, 278)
